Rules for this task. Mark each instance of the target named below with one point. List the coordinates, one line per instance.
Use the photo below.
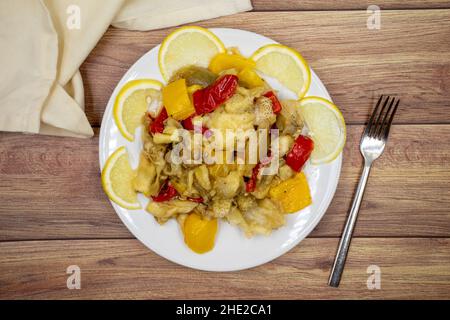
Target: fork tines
(380, 121)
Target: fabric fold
(145, 15)
(28, 61)
(44, 42)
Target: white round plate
(232, 251)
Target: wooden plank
(408, 56)
(50, 188)
(410, 269)
(407, 183)
(286, 5)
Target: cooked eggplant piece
(195, 75)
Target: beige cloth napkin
(43, 44)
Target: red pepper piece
(166, 193)
(300, 152)
(189, 125)
(276, 105)
(208, 99)
(196, 199)
(250, 185)
(157, 125)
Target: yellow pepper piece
(176, 100)
(225, 61)
(199, 233)
(293, 194)
(250, 78)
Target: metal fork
(371, 146)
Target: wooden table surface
(53, 212)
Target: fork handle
(344, 244)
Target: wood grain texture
(292, 5)
(408, 56)
(410, 268)
(50, 188)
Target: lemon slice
(188, 46)
(326, 127)
(286, 65)
(117, 177)
(134, 99)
